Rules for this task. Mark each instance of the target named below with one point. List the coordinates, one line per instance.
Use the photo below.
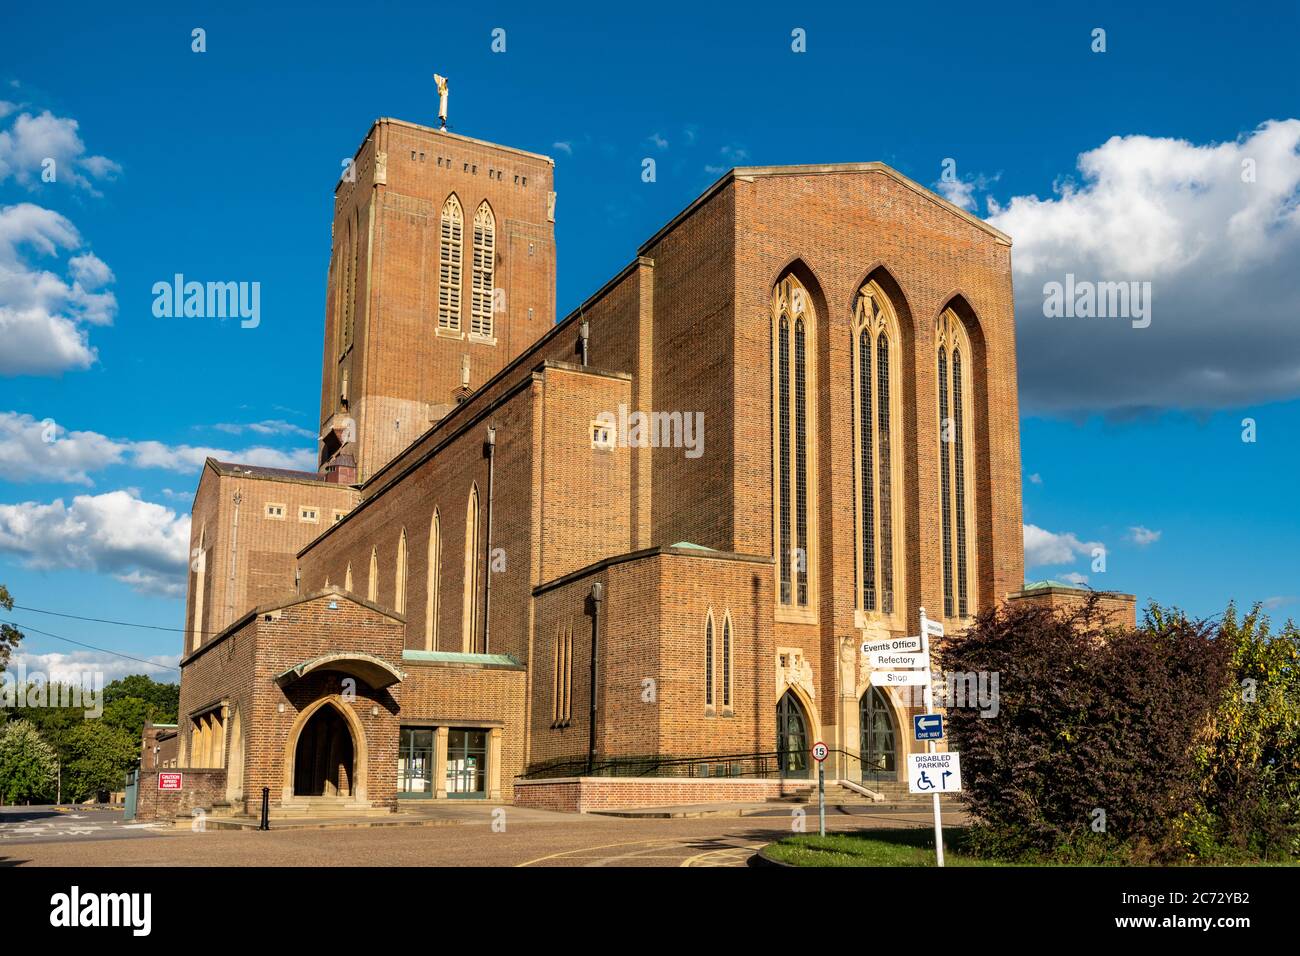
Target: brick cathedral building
(629, 556)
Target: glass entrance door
(415, 763)
(467, 762)
(791, 737)
(879, 760)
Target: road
(50, 824)
(519, 837)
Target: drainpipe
(490, 449)
(584, 344)
(597, 594)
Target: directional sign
(899, 659)
(893, 644)
(819, 751)
(899, 678)
(169, 781)
(934, 773)
(928, 726)
(933, 628)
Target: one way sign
(928, 726)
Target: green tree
(99, 757)
(163, 699)
(1250, 764)
(27, 763)
(9, 635)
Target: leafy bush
(1092, 752)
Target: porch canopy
(375, 671)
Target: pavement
(460, 835)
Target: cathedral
(626, 557)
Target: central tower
(442, 270)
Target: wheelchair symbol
(924, 782)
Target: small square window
(275, 511)
(602, 435)
(339, 516)
(308, 514)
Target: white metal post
(928, 700)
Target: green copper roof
(1052, 583)
(690, 546)
(456, 657)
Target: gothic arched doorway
(878, 743)
(791, 736)
(323, 759)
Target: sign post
(927, 628)
(819, 752)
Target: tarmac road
(529, 838)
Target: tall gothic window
(399, 596)
(346, 278)
(793, 322)
(876, 436)
(451, 258)
(485, 251)
(726, 660)
(469, 609)
(955, 479)
(708, 659)
(431, 589)
(372, 586)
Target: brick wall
(587, 794)
(200, 789)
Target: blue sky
(220, 165)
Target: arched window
(431, 589)
(399, 582)
(347, 284)
(708, 659)
(485, 251)
(956, 483)
(878, 751)
(726, 660)
(877, 465)
(794, 435)
(562, 699)
(372, 585)
(347, 579)
(451, 260)
(469, 608)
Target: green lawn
(910, 847)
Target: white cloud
(1035, 479)
(658, 141)
(137, 542)
(1143, 536)
(563, 147)
(1281, 600)
(267, 427)
(959, 192)
(70, 667)
(33, 140)
(1220, 254)
(43, 316)
(1047, 547)
(1074, 577)
(42, 450)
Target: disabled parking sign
(934, 773)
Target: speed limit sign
(819, 751)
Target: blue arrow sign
(928, 726)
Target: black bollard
(266, 809)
